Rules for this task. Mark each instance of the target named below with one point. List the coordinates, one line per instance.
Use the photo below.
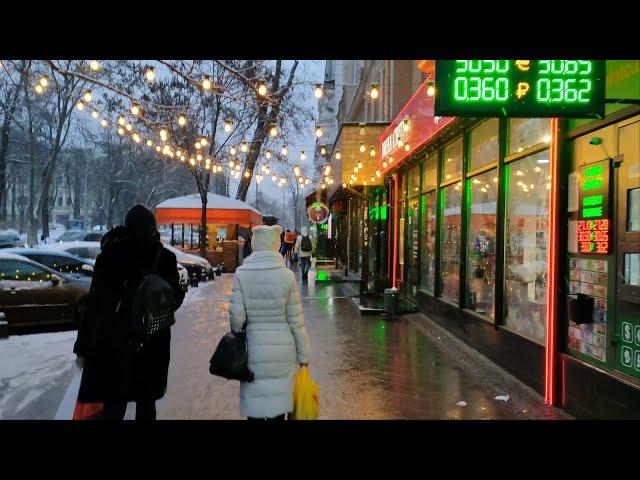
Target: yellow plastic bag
(306, 403)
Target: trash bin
(391, 301)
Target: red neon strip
(552, 311)
(395, 230)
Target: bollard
(391, 302)
(4, 326)
(194, 280)
(203, 275)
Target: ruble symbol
(523, 88)
(523, 65)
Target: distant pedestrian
(121, 362)
(305, 249)
(265, 301)
(246, 250)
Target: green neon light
(383, 212)
(321, 276)
(592, 200)
(594, 184)
(594, 171)
(592, 212)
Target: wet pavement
(366, 367)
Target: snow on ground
(34, 374)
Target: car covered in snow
(193, 263)
(82, 249)
(80, 235)
(63, 262)
(9, 238)
(35, 297)
(184, 277)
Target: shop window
(401, 236)
(481, 247)
(428, 259)
(526, 246)
(452, 162)
(450, 244)
(414, 181)
(484, 144)
(527, 132)
(632, 268)
(633, 210)
(430, 172)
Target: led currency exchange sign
(520, 88)
(593, 224)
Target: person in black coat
(116, 368)
(247, 250)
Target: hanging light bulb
(431, 89)
(247, 174)
(400, 143)
(274, 177)
(378, 173)
(95, 114)
(136, 137)
(238, 167)
(150, 74)
(44, 81)
(244, 146)
(344, 185)
(303, 156)
(80, 105)
(121, 121)
(135, 109)
(87, 96)
(359, 165)
(233, 150)
(284, 151)
(374, 91)
(273, 130)
(323, 150)
(327, 169)
(192, 161)
(164, 134)
(384, 164)
(338, 155)
(355, 169)
(199, 157)
(182, 119)
(390, 160)
(150, 144)
(262, 89)
(318, 131)
(158, 149)
(228, 125)
(38, 88)
(301, 180)
(206, 82)
(129, 127)
(120, 131)
(231, 164)
(104, 122)
(94, 65)
(405, 125)
(407, 147)
(204, 142)
(296, 170)
(178, 152)
(362, 147)
(267, 169)
(372, 152)
(323, 186)
(318, 91)
(268, 155)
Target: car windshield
(21, 271)
(71, 235)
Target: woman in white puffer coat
(265, 297)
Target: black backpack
(305, 244)
(153, 303)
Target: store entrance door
(413, 244)
(628, 251)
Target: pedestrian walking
(123, 360)
(246, 250)
(265, 301)
(305, 249)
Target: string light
(372, 152)
(104, 122)
(274, 177)
(262, 89)
(38, 88)
(182, 119)
(374, 91)
(164, 134)
(296, 170)
(94, 65)
(44, 81)
(158, 148)
(327, 169)
(323, 186)
(359, 165)
(203, 141)
(338, 155)
(228, 125)
(318, 131)
(362, 147)
(136, 137)
(405, 125)
(231, 163)
(244, 146)
(95, 114)
(129, 127)
(390, 160)
(273, 130)
(150, 74)
(384, 164)
(247, 174)
(150, 144)
(378, 174)
(192, 161)
(407, 147)
(284, 150)
(344, 185)
(178, 152)
(303, 156)
(80, 105)
(323, 150)
(135, 108)
(237, 167)
(206, 82)
(268, 154)
(233, 150)
(87, 96)
(199, 157)
(431, 89)
(318, 91)
(120, 131)
(121, 121)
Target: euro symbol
(523, 88)
(523, 65)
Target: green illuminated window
(592, 200)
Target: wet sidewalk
(366, 367)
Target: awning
(221, 210)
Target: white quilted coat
(265, 296)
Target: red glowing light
(593, 236)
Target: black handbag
(230, 360)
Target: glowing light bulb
(120, 131)
(244, 146)
(338, 155)
(228, 125)
(384, 164)
(284, 151)
(546, 139)
(206, 83)
(307, 181)
(318, 131)
(233, 150)
(150, 74)
(182, 119)
(158, 149)
(520, 173)
(136, 138)
(38, 88)
(273, 130)
(44, 81)
(104, 122)
(246, 173)
(95, 114)
(94, 65)
(323, 186)
(359, 165)
(192, 162)
(390, 160)
(129, 127)
(431, 90)
(149, 143)
(378, 173)
(400, 143)
(238, 167)
(135, 109)
(262, 89)
(164, 134)
(87, 96)
(374, 91)
(303, 156)
(199, 157)
(537, 169)
(318, 91)
(268, 154)
(204, 142)
(372, 152)
(405, 125)
(274, 177)
(121, 121)
(231, 164)
(327, 169)
(344, 185)
(362, 147)
(80, 105)
(323, 150)
(407, 147)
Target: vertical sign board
(593, 224)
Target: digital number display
(593, 226)
(520, 88)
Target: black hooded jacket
(115, 368)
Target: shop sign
(520, 88)
(593, 225)
(318, 212)
(412, 128)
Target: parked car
(63, 262)
(184, 277)
(9, 238)
(193, 263)
(34, 296)
(80, 235)
(85, 250)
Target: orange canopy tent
(220, 211)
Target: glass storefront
(453, 161)
(450, 244)
(428, 259)
(526, 245)
(484, 144)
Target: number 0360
(473, 89)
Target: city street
(366, 367)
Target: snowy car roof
(47, 251)
(13, 256)
(184, 255)
(62, 247)
(214, 202)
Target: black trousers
(278, 418)
(145, 410)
